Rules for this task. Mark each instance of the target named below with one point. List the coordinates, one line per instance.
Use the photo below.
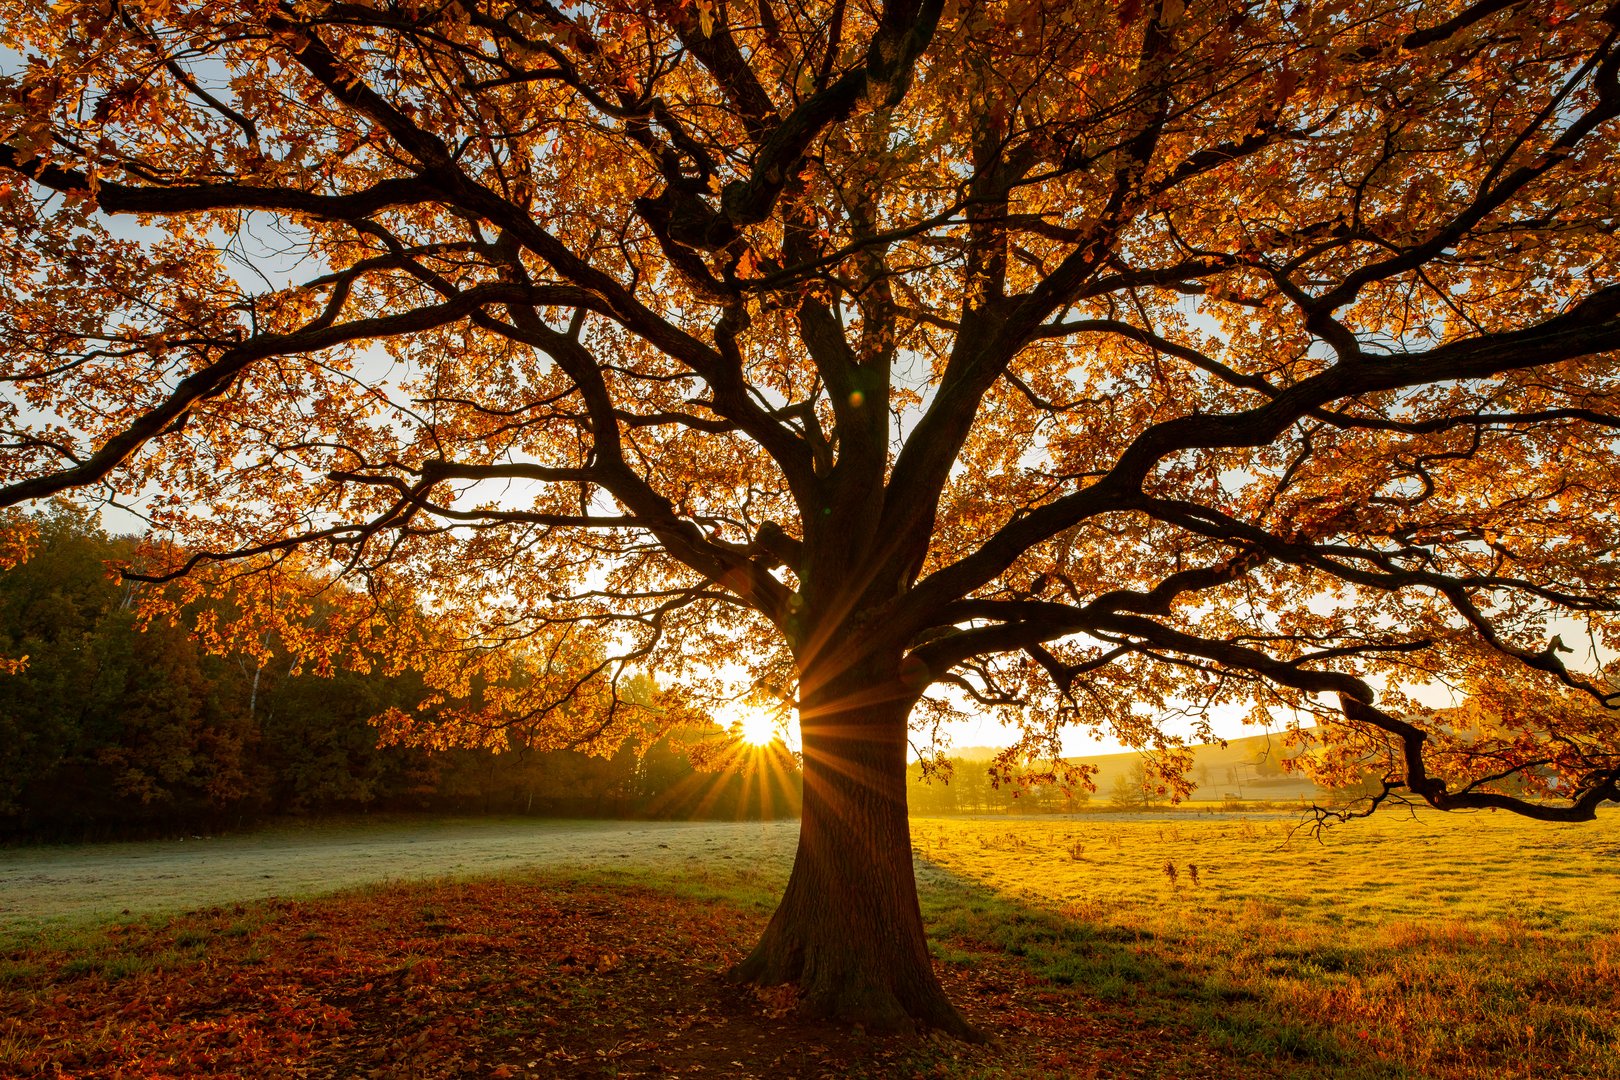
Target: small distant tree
(1132, 789)
(972, 782)
(934, 788)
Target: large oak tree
(1090, 360)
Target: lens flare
(756, 728)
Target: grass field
(63, 887)
(1478, 946)
(1195, 946)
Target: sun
(755, 727)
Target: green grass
(1436, 947)
(52, 889)
(1483, 946)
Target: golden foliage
(1096, 362)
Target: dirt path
(41, 887)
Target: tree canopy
(1091, 361)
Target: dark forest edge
(114, 730)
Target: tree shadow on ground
(1108, 1000)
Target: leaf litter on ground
(515, 977)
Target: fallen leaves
(503, 979)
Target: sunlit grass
(1483, 946)
(1362, 874)
(1441, 947)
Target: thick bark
(849, 931)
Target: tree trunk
(849, 931)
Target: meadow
(1430, 945)
(63, 887)
(1188, 945)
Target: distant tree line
(111, 727)
(967, 786)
